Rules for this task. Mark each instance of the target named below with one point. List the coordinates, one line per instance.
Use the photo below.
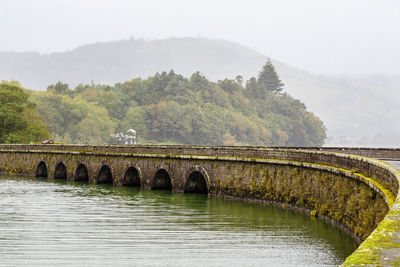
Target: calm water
(58, 223)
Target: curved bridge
(347, 186)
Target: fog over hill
(111, 62)
(355, 110)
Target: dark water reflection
(60, 223)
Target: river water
(60, 223)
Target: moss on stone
(347, 201)
(374, 251)
(313, 213)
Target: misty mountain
(112, 62)
(355, 110)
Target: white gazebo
(130, 137)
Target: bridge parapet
(377, 153)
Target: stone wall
(378, 153)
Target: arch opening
(131, 177)
(60, 171)
(105, 175)
(41, 170)
(196, 183)
(81, 173)
(161, 181)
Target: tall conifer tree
(268, 79)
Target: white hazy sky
(320, 36)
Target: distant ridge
(356, 111)
(117, 61)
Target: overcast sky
(320, 36)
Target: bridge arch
(161, 180)
(60, 171)
(197, 181)
(132, 176)
(81, 173)
(105, 175)
(41, 169)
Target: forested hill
(170, 108)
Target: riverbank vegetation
(170, 108)
(19, 120)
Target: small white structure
(127, 138)
(130, 137)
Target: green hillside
(170, 108)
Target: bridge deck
(395, 163)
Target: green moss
(313, 213)
(347, 201)
(373, 252)
(389, 196)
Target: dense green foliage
(19, 121)
(167, 107)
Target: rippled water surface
(58, 223)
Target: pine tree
(268, 79)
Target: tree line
(170, 108)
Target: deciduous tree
(19, 121)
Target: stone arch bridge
(350, 187)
